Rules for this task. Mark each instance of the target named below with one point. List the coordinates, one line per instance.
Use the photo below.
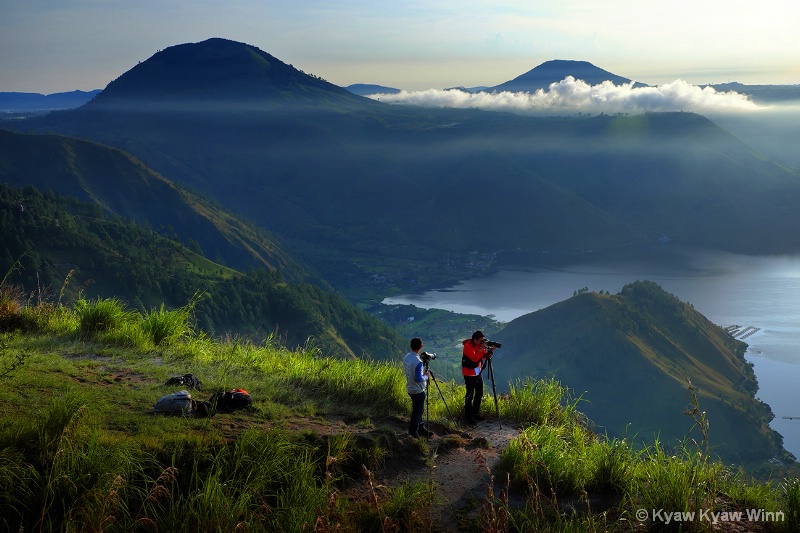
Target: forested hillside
(123, 186)
(60, 249)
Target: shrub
(10, 307)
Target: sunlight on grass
(82, 450)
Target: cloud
(571, 96)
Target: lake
(756, 292)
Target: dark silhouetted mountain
(628, 357)
(365, 89)
(216, 72)
(556, 70)
(35, 102)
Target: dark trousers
(417, 409)
(472, 400)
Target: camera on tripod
(492, 344)
(427, 357)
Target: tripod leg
(433, 378)
(427, 411)
(494, 391)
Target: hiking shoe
(470, 421)
(478, 418)
(414, 435)
(425, 433)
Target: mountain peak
(556, 70)
(218, 70)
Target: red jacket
(473, 357)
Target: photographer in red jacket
(472, 362)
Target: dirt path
(458, 465)
(462, 475)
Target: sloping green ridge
(629, 356)
(122, 185)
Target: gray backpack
(178, 403)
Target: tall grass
(680, 483)
(102, 316)
(107, 320)
(165, 328)
(74, 478)
(557, 460)
(262, 482)
(536, 402)
(18, 311)
(554, 459)
(20, 481)
(63, 468)
(790, 501)
(78, 476)
(368, 386)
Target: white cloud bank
(571, 96)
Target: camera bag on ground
(181, 403)
(186, 380)
(231, 400)
(177, 403)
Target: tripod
(494, 391)
(427, 396)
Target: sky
(49, 46)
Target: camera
(425, 356)
(492, 344)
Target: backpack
(232, 400)
(178, 403)
(188, 380)
(466, 362)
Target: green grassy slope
(629, 355)
(324, 443)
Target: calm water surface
(762, 292)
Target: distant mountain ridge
(36, 102)
(540, 77)
(549, 72)
(762, 93)
(365, 89)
